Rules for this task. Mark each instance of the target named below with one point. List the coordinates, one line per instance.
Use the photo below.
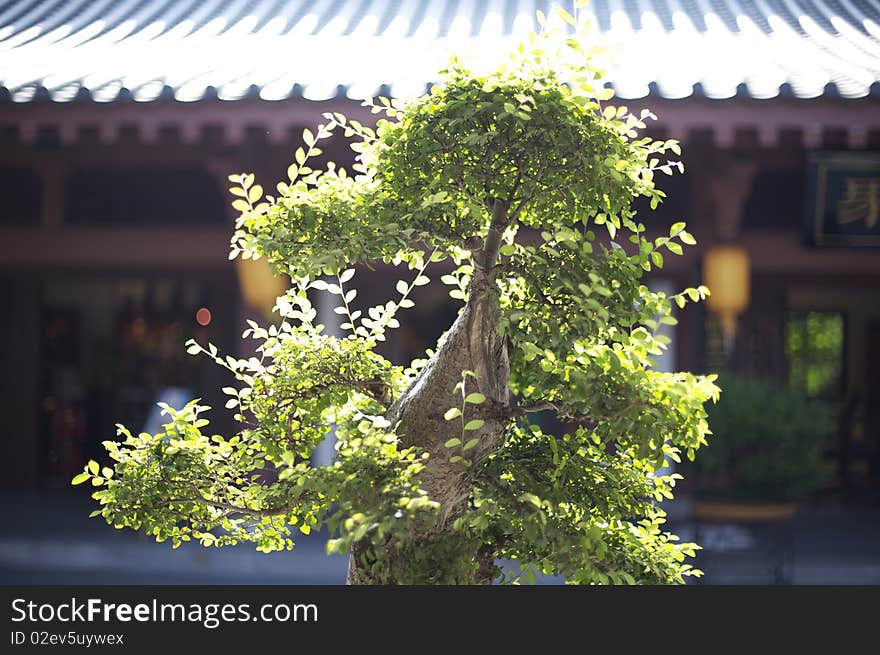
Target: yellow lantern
(726, 273)
(260, 287)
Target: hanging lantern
(260, 287)
(726, 273)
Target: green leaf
(93, 467)
(452, 413)
(79, 479)
(531, 498)
(567, 17)
(241, 205)
(474, 424)
(475, 398)
(255, 193)
(471, 444)
(452, 443)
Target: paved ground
(828, 545)
(49, 539)
(46, 538)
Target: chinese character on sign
(843, 199)
(860, 201)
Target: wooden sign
(843, 199)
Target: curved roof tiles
(144, 50)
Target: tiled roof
(109, 50)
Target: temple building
(120, 121)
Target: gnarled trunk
(472, 344)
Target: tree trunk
(473, 344)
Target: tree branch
(530, 409)
(496, 230)
(237, 509)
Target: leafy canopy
(534, 143)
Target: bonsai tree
(767, 443)
(516, 186)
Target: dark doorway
(112, 347)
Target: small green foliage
(564, 505)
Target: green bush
(766, 444)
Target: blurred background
(120, 120)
